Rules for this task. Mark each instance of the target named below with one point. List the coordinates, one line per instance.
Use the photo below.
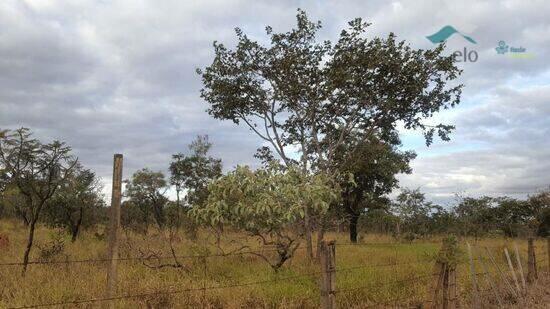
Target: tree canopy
(195, 171)
(268, 203)
(372, 165)
(146, 190)
(77, 203)
(298, 91)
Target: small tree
(37, 170)
(539, 210)
(4, 180)
(14, 204)
(477, 215)
(177, 179)
(146, 190)
(268, 204)
(372, 166)
(195, 171)
(413, 211)
(77, 203)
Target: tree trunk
(29, 246)
(354, 218)
(320, 238)
(178, 197)
(76, 227)
(398, 228)
(74, 233)
(21, 214)
(307, 228)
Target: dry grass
(80, 281)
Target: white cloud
(118, 76)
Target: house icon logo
(447, 31)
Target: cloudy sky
(119, 77)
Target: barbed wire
(386, 283)
(382, 265)
(302, 275)
(217, 287)
(92, 300)
(389, 302)
(191, 256)
(149, 258)
(374, 244)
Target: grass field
(377, 271)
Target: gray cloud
(511, 132)
(119, 77)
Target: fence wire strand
(150, 258)
(92, 300)
(385, 283)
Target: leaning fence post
(501, 273)
(113, 227)
(512, 270)
(328, 274)
(531, 261)
(490, 280)
(516, 250)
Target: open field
(376, 272)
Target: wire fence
(139, 258)
(488, 285)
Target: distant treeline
(411, 216)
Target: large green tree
(296, 91)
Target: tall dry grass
(362, 278)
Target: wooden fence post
(445, 283)
(328, 274)
(113, 228)
(439, 271)
(475, 300)
(451, 285)
(520, 266)
(531, 261)
(548, 251)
